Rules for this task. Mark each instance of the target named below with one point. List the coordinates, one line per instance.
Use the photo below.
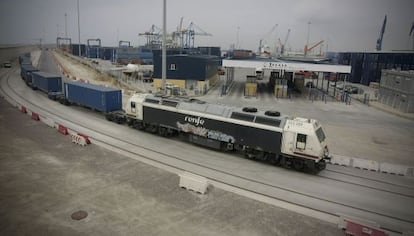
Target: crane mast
(379, 40)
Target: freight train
(292, 142)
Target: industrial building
(134, 55)
(367, 66)
(191, 71)
(397, 90)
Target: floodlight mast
(164, 47)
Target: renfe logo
(196, 121)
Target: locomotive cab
(304, 144)
(133, 107)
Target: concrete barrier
(80, 140)
(365, 164)
(35, 116)
(344, 219)
(62, 129)
(393, 169)
(341, 160)
(49, 122)
(193, 182)
(88, 141)
(23, 109)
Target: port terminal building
(283, 75)
(367, 66)
(193, 70)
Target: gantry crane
(152, 36)
(190, 32)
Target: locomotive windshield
(320, 134)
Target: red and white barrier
(78, 139)
(23, 109)
(88, 141)
(35, 116)
(62, 129)
(357, 226)
(49, 122)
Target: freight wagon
(100, 98)
(26, 73)
(49, 83)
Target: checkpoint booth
(283, 76)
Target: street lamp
(79, 32)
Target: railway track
(252, 186)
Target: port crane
(282, 45)
(64, 43)
(379, 40)
(190, 32)
(308, 48)
(123, 43)
(262, 48)
(152, 36)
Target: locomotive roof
(250, 114)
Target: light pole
(164, 47)
(237, 41)
(307, 40)
(79, 32)
(66, 26)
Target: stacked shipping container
(397, 90)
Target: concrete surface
(44, 178)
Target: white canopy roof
(289, 66)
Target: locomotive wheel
(273, 159)
(152, 128)
(298, 164)
(310, 167)
(162, 131)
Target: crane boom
(282, 46)
(379, 40)
(308, 49)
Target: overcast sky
(346, 25)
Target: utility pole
(237, 42)
(79, 32)
(117, 35)
(164, 47)
(66, 25)
(307, 40)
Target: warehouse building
(134, 55)
(397, 90)
(195, 73)
(367, 66)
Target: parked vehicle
(7, 64)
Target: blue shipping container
(97, 97)
(48, 83)
(26, 72)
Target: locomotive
(292, 142)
